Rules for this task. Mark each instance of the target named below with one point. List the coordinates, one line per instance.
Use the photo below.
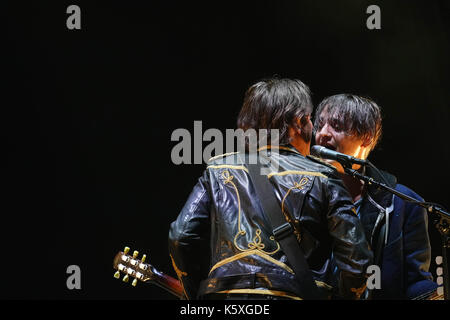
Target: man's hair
(275, 104)
(351, 114)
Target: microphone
(325, 153)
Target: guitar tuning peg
(134, 283)
(117, 275)
(125, 278)
(126, 250)
(143, 258)
(135, 254)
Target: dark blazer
(403, 252)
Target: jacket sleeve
(417, 248)
(189, 239)
(351, 250)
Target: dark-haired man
(396, 230)
(222, 245)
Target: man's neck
(301, 147)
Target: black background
(87, 115)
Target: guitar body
(432, 295)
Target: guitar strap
(283, 233)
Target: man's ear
(297, 125)
(367, 142)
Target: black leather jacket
(222, 237)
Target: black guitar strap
(283, 233)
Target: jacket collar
(381, 197)
(285, 147)
(379, 203)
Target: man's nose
(323, 135)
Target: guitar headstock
(131, 266)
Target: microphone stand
(441, 218)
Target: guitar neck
(168, 283)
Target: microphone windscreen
(315, 150)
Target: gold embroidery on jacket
(220, 166)
(180, 274)
(276, 147)
(256, 243)
(300, 186)
(263, 291)
(248, 253)
(222, 156)
(359, 291)
(307, 173)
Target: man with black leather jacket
(221, 244)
